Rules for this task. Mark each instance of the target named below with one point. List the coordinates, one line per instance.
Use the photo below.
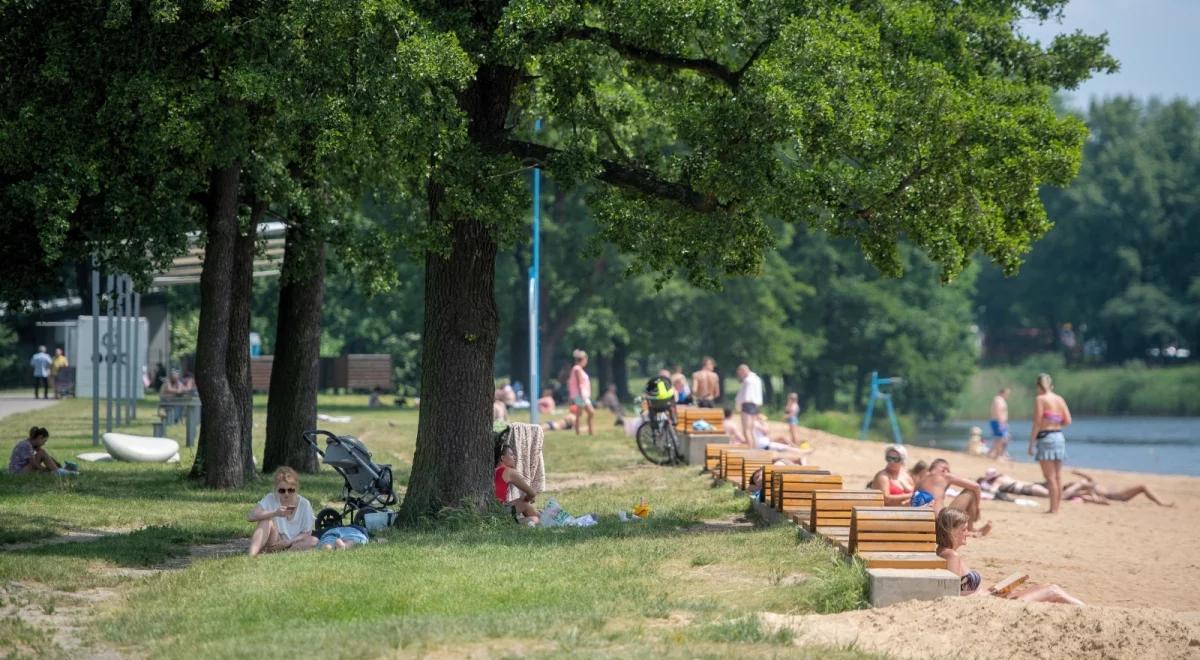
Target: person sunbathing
(1104, 493)
(952, 535)
(994, 481)
(896, 484)
(733, 430)
(931, 491)
(285, 520)
(565, 424)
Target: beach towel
(527, 439)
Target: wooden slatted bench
(751, 463)
(712, 456)
(769, 472)
(831, 511)
(723, 454)
(734, 461)
(894, 537)
(794, 492)
(685, 416)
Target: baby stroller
(368, 487)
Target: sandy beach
(1135, 564)
(1127, 554)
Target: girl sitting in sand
(952, 535)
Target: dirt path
(65, 614)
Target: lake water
(1166, 445)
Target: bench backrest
(892, 529)
(770, 471)
(793, 491)
(833, 508)
(712, 456)
(734, 461)
(685, 416)
(724, 452)
(751, 464)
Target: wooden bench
(751, 463)
(723, 454)
(793, 491)
(712, 456)
(734, 461)
(830, 514)
(769, 472)
(894, 537)
(685, 416)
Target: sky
(1156, 41)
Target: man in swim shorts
(999, 424)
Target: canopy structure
(186, 269)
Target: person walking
(704, 384)
(57, 365)
(999, 423)
(579, 387)
(1050, 416)
(749, 398)
(41, 364)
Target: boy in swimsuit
(931, 491)
(999, 424)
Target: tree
(140, 121)
(1123, 254)
(695, 122)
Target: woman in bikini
(895, 482)
(1050, 416)
(995, 481)
(952, 535)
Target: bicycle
(656, 437)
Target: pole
(108, 356)
(122, 381)
(535, 388)
(127, 339)
(96, 358)
(138, 386)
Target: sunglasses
(892, 458)
(281, 491)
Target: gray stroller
(367, 486)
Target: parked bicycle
(656, 437)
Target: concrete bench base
(692, 445)
(895, 585)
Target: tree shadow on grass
(139, 549)
(23, 528)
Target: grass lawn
(687, 582)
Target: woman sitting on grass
(285, 519)
(952, 535)
(505, 474)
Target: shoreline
(1127, 554)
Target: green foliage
(1129, 389)
(1121, 264)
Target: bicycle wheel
(654, 443)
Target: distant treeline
(1122, 264)
(1132, 389)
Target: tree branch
(630, 177)
(705, 66)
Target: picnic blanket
(527, 439)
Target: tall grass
(1132, 389)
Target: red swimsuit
(501, 484)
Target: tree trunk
(237, 357)
(292, 402)
(620, 365)
(518, 338)
(768, 390)
(453, 459)
(220, 456)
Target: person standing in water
(1050, 416)
(999, 424)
